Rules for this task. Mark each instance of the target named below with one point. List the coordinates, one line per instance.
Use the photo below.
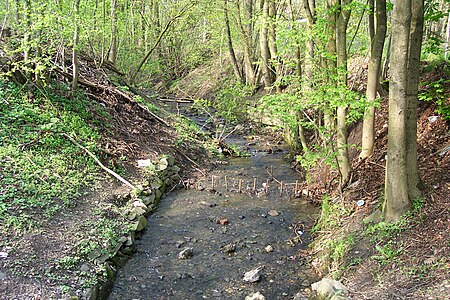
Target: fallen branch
(120, 178)
(115, 91)
(177, 100)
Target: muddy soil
(251, 221)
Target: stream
(229, 233)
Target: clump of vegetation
(41, 171)
(435, 92)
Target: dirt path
(189, 219)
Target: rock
(141, 223)
(230, 248)
(255, 296)
(329, 288)
(204, 203)
(136, 212)
(273, 213)
(253, 275)
(149, 199)
(269, 249)
(85, 268)
(223, 221)
(187, 253)
(300, 296)
(179, 244)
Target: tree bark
(76, 8)
(234, 62)
(415, 47)
(247, 32)
(113, 41)
(378, 36)
(341, 127)
(396, 184)
(264, 44)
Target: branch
(116, 91)
(158, 40)
(120, 178)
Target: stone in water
(253, 275)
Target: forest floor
(49, 257)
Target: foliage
(388, 252)
(436, 92)
(330, 216)
(41, 171)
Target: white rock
(330, 288)
(253, 275)
(255, 296)
(186, 253)
(142, 163)
(269, 249)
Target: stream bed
(229, 234)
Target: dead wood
(113, 90)
(120, 178)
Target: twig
(189, 159)
(120, 178)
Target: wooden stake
(296, 189)
(267, 187)
(226, 183)
(254, 185)
(281, 188)
(240, 186)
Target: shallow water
(182, 220)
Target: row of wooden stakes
(283, 187)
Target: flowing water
(223, 253)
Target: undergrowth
(41, 171)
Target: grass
(40, 170)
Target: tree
(401, 179)
(234, 62)
(377, 37)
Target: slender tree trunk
(113, 41)
(27, 33)
(415, 47)
(247, 32)
(341, 127)
(310, 9)
(234, 62)
(76, 8)
(264, 44)
(396, 185)
(378, 36)
(272, 37)
(447, 36)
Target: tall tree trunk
(264, 44)
(406, 38)
(113, 41)
(27, 33)
(310, 9)
(272, 37)
(247, 32)
(76, 9)
(415, 47)
(234, 62)
(378, 35)
(343, 16)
